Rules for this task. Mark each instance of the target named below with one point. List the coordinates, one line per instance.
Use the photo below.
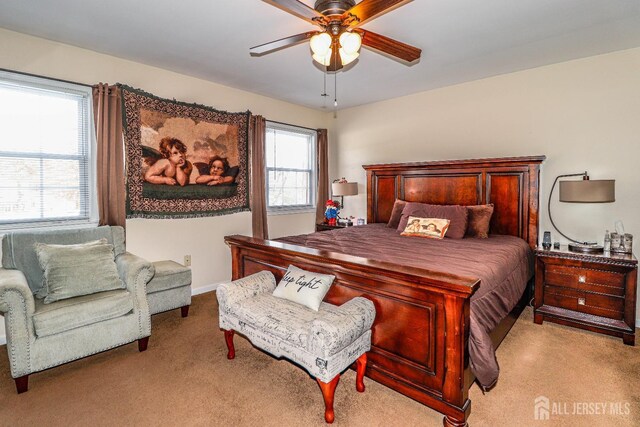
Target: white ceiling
(461, 40)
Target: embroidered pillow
(457, 215)
(74, 270)
(396, 213)
(304, 287)
(479, 221)
(432, 228)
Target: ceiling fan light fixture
(323, 59)
(346, 57)
(350, 42)
(321, 44)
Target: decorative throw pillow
(479, 221)
(432, 228)
(74, 270)
(304, 287)
(457, 215)
(396, 213)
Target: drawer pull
(581, 301)
(582, 279)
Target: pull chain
(335, 96)
(324, 94)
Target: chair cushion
(18, 250)
(61, 316)
(169, 275)
(74, 270)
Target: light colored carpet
(184, 378)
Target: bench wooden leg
(448, 421)
(184, 310)
(228, 337)
(143, 343)
(361, 365)
(22, 384)
(328, 392)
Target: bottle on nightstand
(607, 241)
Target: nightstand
(325, 227)
(596, 292)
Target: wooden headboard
(510, 183)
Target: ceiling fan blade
(367, 10)
(273, 46)
(389, 46)
(298, 9)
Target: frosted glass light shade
(321, 44)
(348, 58)
(350, 42)
(323, 59)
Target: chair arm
(134, 271)
(250, 286)
(18, 306)
(13, 281)
(336, 330)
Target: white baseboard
(206, 288)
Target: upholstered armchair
(43, 335)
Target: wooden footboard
(419, 341)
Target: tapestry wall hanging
(183, 160)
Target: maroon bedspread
(503, 264)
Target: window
(291, 168)
(46, 147)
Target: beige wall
(582, 114)
(201, 238)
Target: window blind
(45, 152)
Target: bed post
(456, 313)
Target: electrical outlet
(187, 260)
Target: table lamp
(583, 191)
(343, 188)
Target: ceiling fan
(340, 38)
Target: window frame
(313, 161)
(27, 81)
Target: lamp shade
(588, 191)
(344, 188)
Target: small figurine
(331, 212)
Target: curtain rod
(289, 124)
(45, 77)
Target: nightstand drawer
(605, 282)
(584, 302)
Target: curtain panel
(323, 174)
(107, 112)
(257, 134)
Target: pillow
(304, 287)
(396, 213)
(74, 270)
(432, 228)
(457, 215)
(479, 221)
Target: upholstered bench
(169, 288)
(324, 342)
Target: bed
(421, 336)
